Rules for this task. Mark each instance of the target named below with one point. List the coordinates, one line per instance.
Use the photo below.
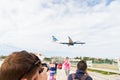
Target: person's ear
(23, 79)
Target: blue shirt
(52, 71)
(79, 74)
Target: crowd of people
(23, 65)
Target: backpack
(81, 78)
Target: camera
(45, 65)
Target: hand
(44, 75)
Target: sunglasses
(42, 69)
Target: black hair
(82, 65)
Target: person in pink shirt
(67, 66)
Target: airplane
(70, 43)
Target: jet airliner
(70, 43)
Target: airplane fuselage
(71, 44)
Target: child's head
(82, 65)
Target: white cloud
(30, 24)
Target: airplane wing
(79, 42)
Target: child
(52, 71)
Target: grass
(106, 66)
(102, 72)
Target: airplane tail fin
(70, 40)
(54, 38)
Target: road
(96, 76)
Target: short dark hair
(82, 65)
(18, 65)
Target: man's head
(67, 57)
(20, 66)
(82, 65)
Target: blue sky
(29, 25)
